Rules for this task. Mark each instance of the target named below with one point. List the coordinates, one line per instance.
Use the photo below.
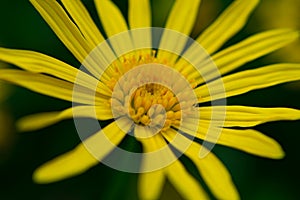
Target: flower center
(149, 102)
(145, 89)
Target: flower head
(153, 83)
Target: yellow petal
(55, 15)
(253, 47)
(81, 158)
(211, 169)
(183, 15)
(42, 120)
(244, 116)
(245, 51)
(40, 63)
(156, 152)
(184, 182)
(150, 184)
(63, 27)
(84, 21)
(226, 25)
(248, 140)
(111, 17)
(251, 141)
(139, 14)
(113, 23)
(248, 80)
(181, 18)
(49, 86)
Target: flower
(107, 93)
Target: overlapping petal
(63, 27)
(40, 63)
(83, 21)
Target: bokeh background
(21, 153)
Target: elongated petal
(63, 27)
(150, 184)
(84, 21)
(253, 47)
(48, 86)
(181, 18)
(249, 80)
(228, 24)
(55, 15)
(183, 15)
(42, 120)
(244, 116)
(40, 63)
(251, 141)
(248, 140)
(111, 17)
(211, 169)
(185, 184)
(139, 14)
(81, 158)
(245, 51)
(114, 23)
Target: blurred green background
(21, 153)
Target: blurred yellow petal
(84, 21)
(245, 116)
(249, 80)
(139, 14)
(79, 159)
(63, 27)
(150, 184)
(49, 86)
(184, 182)
(41, 63)
(181, 18)
(42, 120)
(226, 25)
(210, 167)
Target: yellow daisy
(113, 85)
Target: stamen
(150, 104)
